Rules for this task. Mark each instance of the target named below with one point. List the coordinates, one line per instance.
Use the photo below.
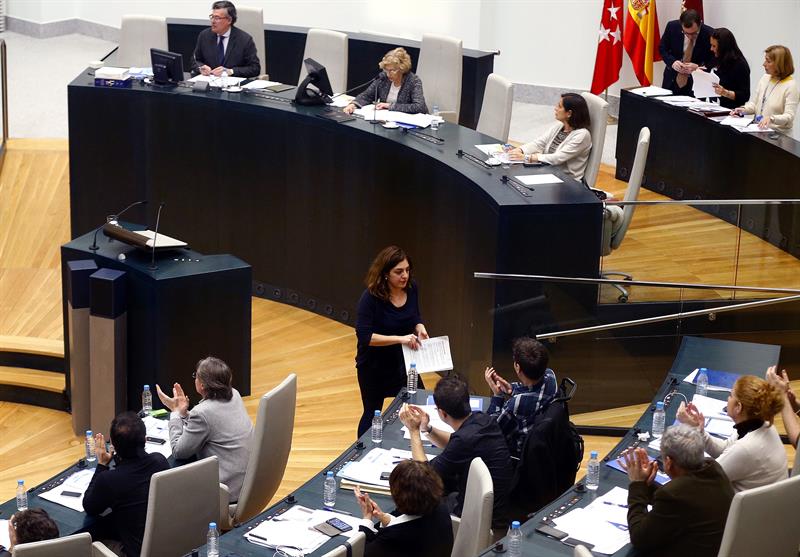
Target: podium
(191, 306)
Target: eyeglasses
(692, 34)
(194, 375)
(391, 70)
(218, 17)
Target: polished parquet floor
(35, 443)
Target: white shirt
(394, 90)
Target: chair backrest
(251, 20)
(137, 35)
(749, 532)
(329, 48)
(440, 66)
(475, 531)
(357, 544)
(581, 551)
(181, 503)
(78, 545)
(498, 98)
(634, 185)
(598, 113)
(272, 441)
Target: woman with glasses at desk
(397, 88)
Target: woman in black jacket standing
(732, 69)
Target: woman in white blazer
(567, 143)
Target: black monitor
(318, 77)
(167, 67)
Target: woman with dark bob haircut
(567, 143)
(420, 525)
(218, 425)
(388, 317)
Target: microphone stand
(94, 246)
(153, 265)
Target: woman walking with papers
(388, 318)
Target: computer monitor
(318, 77)
(167, 67)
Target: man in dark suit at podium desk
(225, 48)
(685, 46)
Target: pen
(615, 504)
(331, 509)
(257, 536)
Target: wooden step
(31, 345)
(33, 379)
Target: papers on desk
(435, 421)
(616, 464)
(341, 101)
(737, 121)
(260, 84)
(539, 179)
(603, 523)
(419, 120)
(77, 482)
(703, 83)
(753, 128)
(140, 72)
(294, 529)
(717, 380)
(433, 354)
(651, 91)
(162, 241)
(160, 430)
(368, 470)
(215, 81)
(5, 540)
(495, 151)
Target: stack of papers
(603, 523)
(260, 84)
(419, 120)
(703, 83)
(435, 421)
(158, 429)
(433, 354)
(539, 179)
(76, 483)
(366, 473)
(215, 81)
(715, 412)
(293, 529)
(616, 464)
(736, 121)
(495, 151)
(110, 72)
(651, 91)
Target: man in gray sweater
(218, 425)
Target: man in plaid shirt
(515, 405)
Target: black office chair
(551, 456)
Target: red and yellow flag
(641, 38)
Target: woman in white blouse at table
(777, 95)
(567, 143)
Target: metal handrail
(4, 85)
(581, 280)
(707, 202)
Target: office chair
(598, 114)
(329, 48)
(357, 544)
(473, 531)
(137, 35)
(440, 67)
(251, 20)
(77, 545)
(498, 99)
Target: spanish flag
(641, 38)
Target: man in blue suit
(223, 47)
(685, 46)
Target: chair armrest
(100, 550)
(225, 522)
(456, 522)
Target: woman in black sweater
(388, 317)
(732, 69)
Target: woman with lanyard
(776, 98)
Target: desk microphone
(94, 246)
(378, 77)
(153, 266)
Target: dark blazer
(671, 49)
(688, 515)
(427, 536)
(240, 56)
(735, 77)
(410, 98)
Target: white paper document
(5, 540)
(78, 483)
(162, 241)
(341, 101)
(419, 120)
(590, 525)
(711, 407)
(737, 121)
(294, 528)
(719, 427)
(495, 151)
(650, 91)
(433, 354)
(158, 429)
(539, 179)
(368, 470)
(215, 81)
(260, 84)
(435, 421)
(678, 100)
(753, 128)
(703, 83)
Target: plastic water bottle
(377, 427)
(147, 400)
(224, 77)
(435, 120)
(90, 456)
(22, 496)
(593, 472)
(659, 420)
(329, 490)
(411, 387)
(702, 382)
(514, 540)
(212, 547)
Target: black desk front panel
(308, 202)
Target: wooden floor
(34, 222)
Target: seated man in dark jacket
(224, 47)
(124, 489)
(689, 513)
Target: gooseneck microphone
(381, 75)
(153, 265)
(94, 246)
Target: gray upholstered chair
(181, 503)
(329, 48)
(77, 545)
(473, 531)
(598, 113)
(357, 545)
(440, 66)
(137, 35)
(581, 551)
(251, 20)
(763, 521)
(272, 441)
(616, 219)
(498, 99)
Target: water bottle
(377, 427)
(659, 420)
(224, 77)
(329, 490)
(435, 120)
(593, 472)
(514, 540)
(411, 387)
(22, 496)
(702, 382)
(90, 456)
(147, 400)
(212, 541)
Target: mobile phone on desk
(155, 440)
(71, 493)
(551, 532)
(339, 524)
(532, 164)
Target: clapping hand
(689, 414)
(369, 508)
(638, 465)
(414, 417)
(179, 402)
(103, 456)
(496, 383)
